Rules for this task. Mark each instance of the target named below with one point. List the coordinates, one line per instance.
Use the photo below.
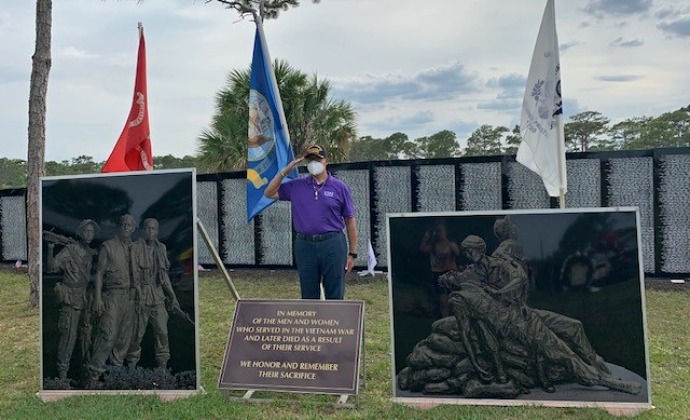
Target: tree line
(13, 172)
(588, 131)
(585, 131)
(313, 116)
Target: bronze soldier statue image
(495, 345)
(150, 272)
(114, 295)
(118, 298)
(74, 261)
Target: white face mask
(315, 168)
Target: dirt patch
(11, 268)
(666, 285)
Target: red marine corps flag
(132, 152)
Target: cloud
(437, 83)
(14, 74)
(373, 89)
(500, 104)
(567, 45)
(419, 118)
(511, 90)
(402, 124)
(508, 82)
(621, 42)
(599, 8)
(73, 52)
(678, 28)
(5, 20)
(666, 12)
(463, 129)
(571, 107)
(445, 81)
(421, 67)
(619, 78)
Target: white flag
(543, 144)
(371, 262)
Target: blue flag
(268, 143)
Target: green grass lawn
(669, 344)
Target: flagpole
(561, 137)
(258, 17)
(561, 172)
(561, 150)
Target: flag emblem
(261, 127)
(547, 112)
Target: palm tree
(312, 117)
(322, 120)
(222, 147)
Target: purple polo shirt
(317, 209)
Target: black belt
(317, 237)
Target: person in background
(321, 208)
(442, 259)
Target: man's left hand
(350, 264)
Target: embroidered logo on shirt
(328, 193)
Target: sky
(405, 66)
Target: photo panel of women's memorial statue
(519, 307)
(118, 282)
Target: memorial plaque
(118, 280)
(294, 346)
(536, 307)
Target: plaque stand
(340, 403)
(217, 259)
(342, 399)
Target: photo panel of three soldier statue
(118, 282)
